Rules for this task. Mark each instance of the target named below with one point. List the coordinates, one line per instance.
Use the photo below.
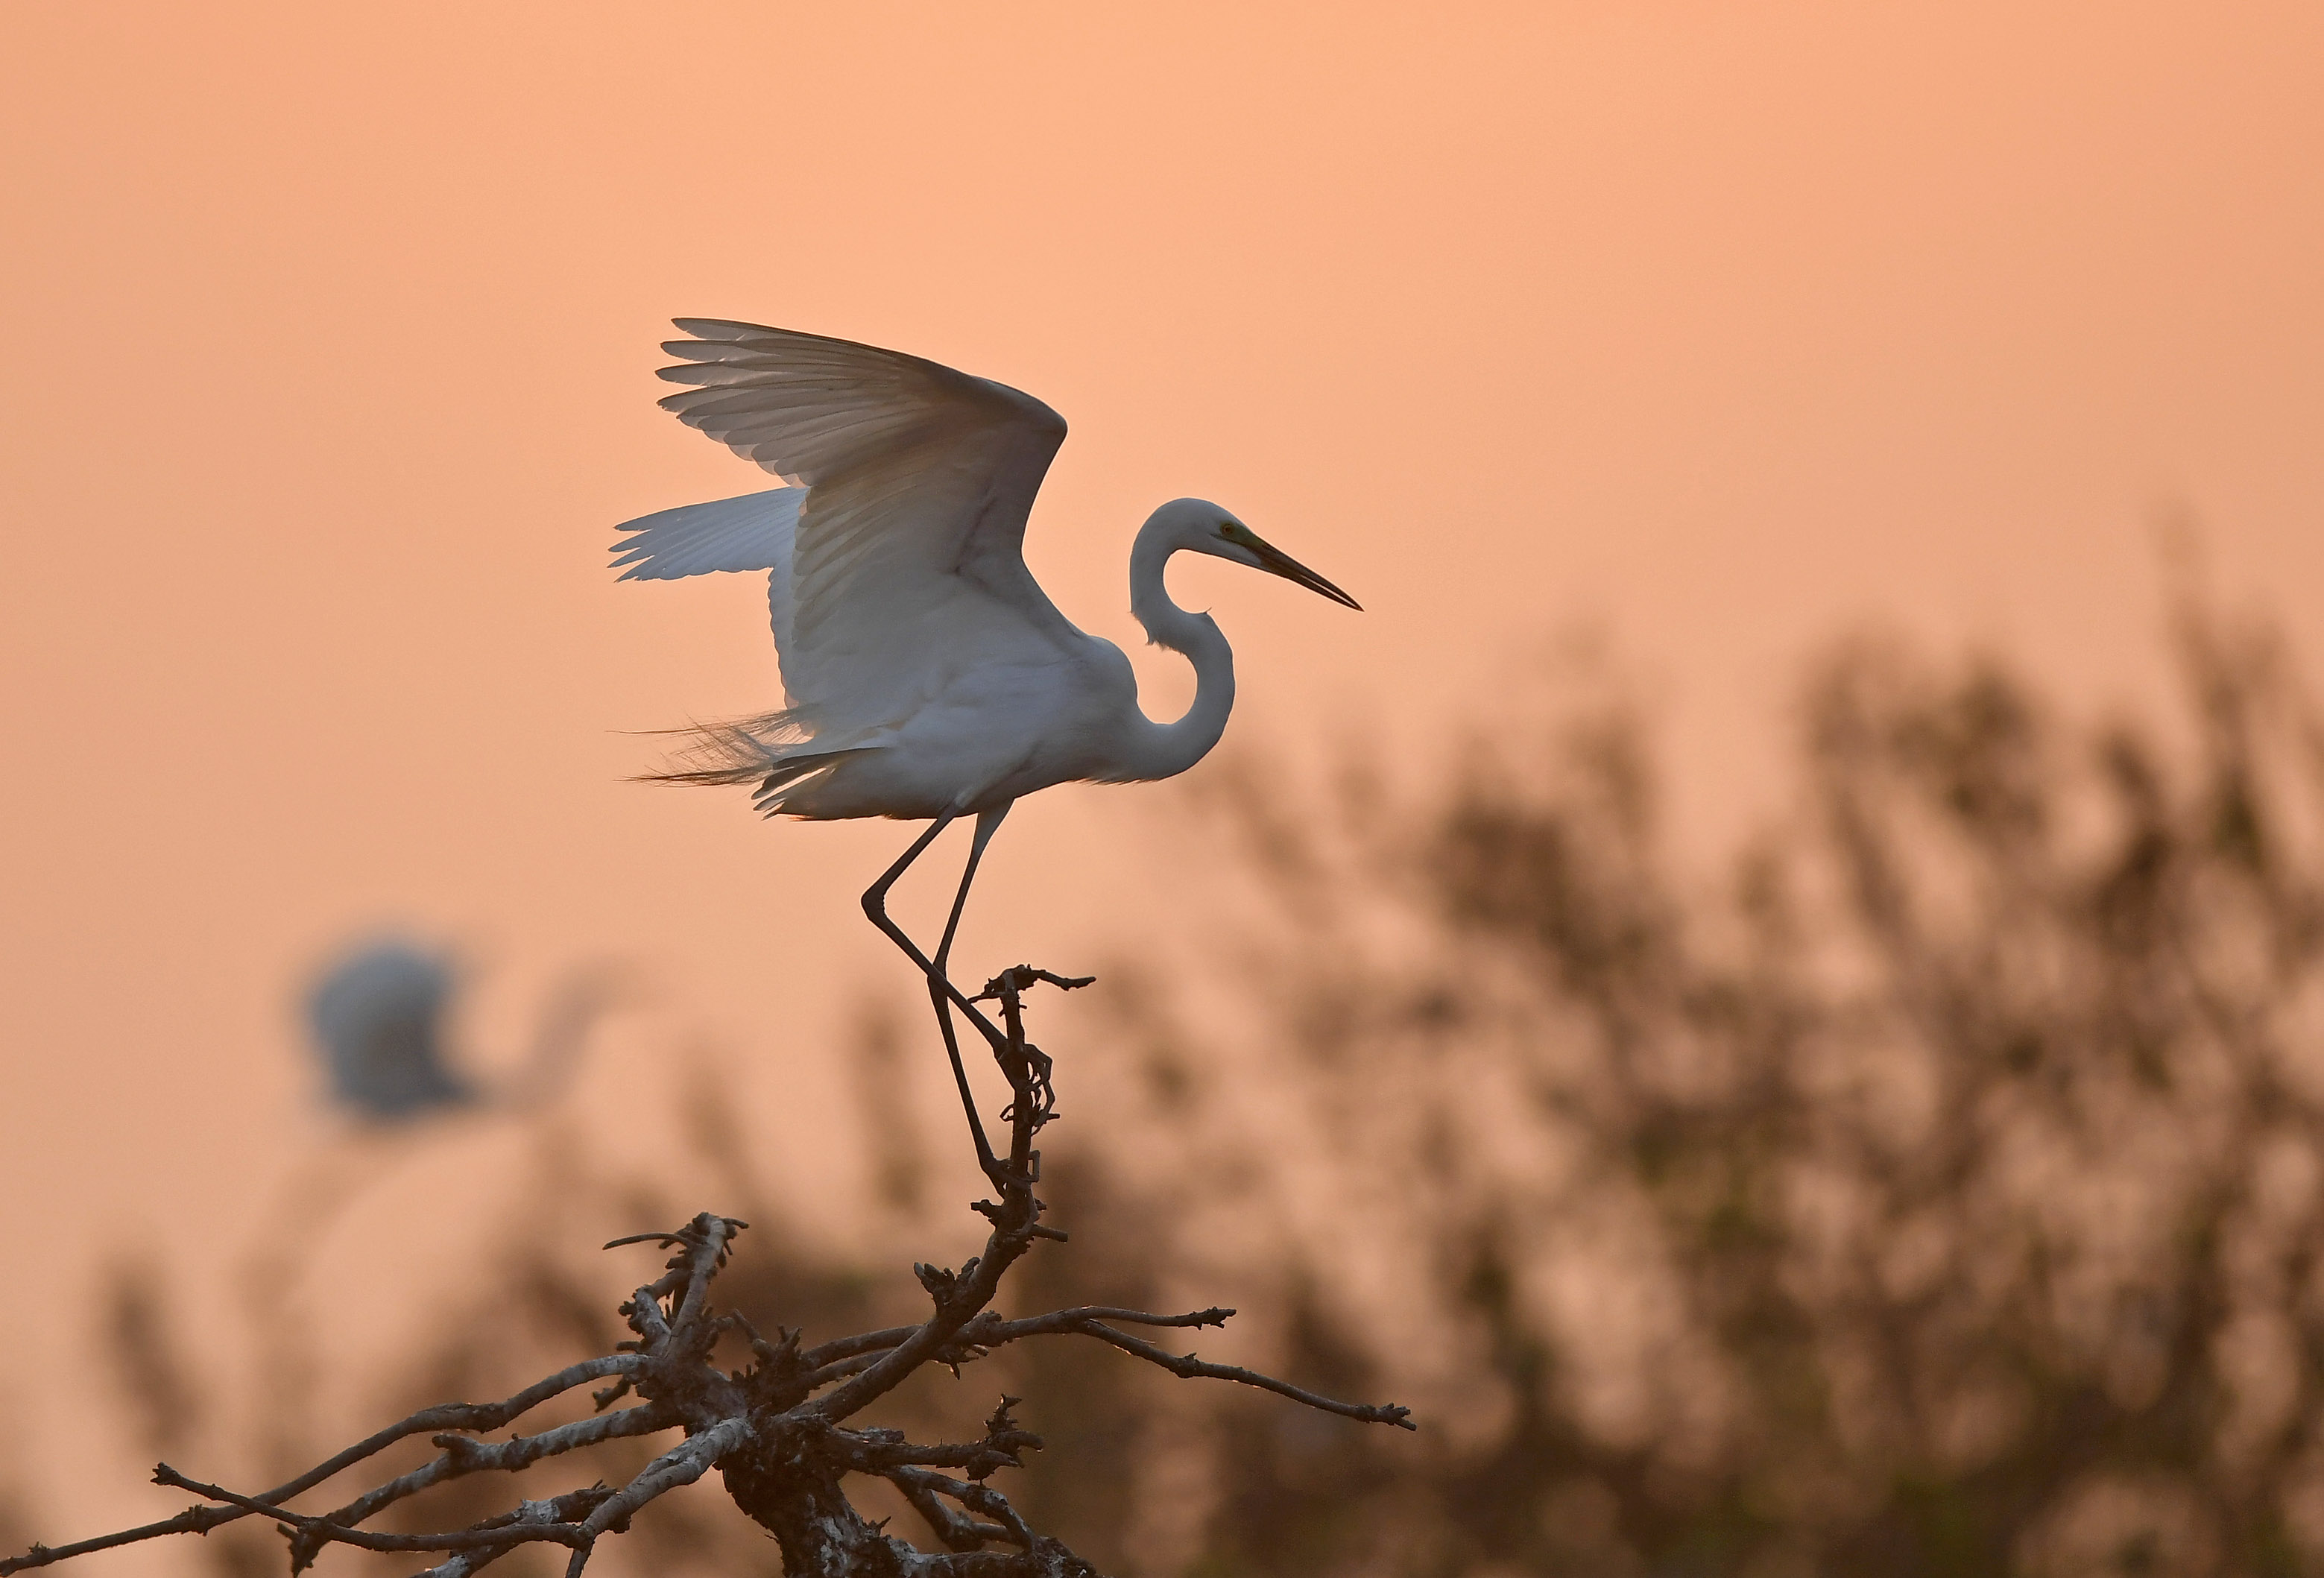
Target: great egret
(926, 675)
(378, 1014)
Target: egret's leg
(875, 896)
(941, 990)
(875, 905)
(988, 823)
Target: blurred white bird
(925, 672)
(379, 1015)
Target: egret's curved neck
(1162, 750)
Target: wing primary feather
(753, 532)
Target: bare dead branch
(706, 1256)
(776, 1431)
(840, 1369)
(680, 1465)
(994, 1332)
(569, 1507)
(957, 1530)
(463, 1456)
(323, 1530)
(1186, 1367)
(476, 1417)
(976, 1498)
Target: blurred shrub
(1943, 1193)
(1940, 1192)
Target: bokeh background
(1654, 342)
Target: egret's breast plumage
(982, 733)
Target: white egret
(926, 675)
(379, 1015)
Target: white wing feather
(907, 557)
(753, 532)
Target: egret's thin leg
(988, 823)
(875, 905)
(941, 990)
(940, 987)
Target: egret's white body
(925, 671)
(926, 674)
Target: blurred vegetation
(1939, 1192)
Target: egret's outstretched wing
(919, 480)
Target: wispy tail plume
(731, 751)
(771, 750)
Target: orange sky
(329, 340)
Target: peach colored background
(328, 337)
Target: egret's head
(1201, 527)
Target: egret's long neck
(1162, 750)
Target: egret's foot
(1001, 1177)
(1039, 1065)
